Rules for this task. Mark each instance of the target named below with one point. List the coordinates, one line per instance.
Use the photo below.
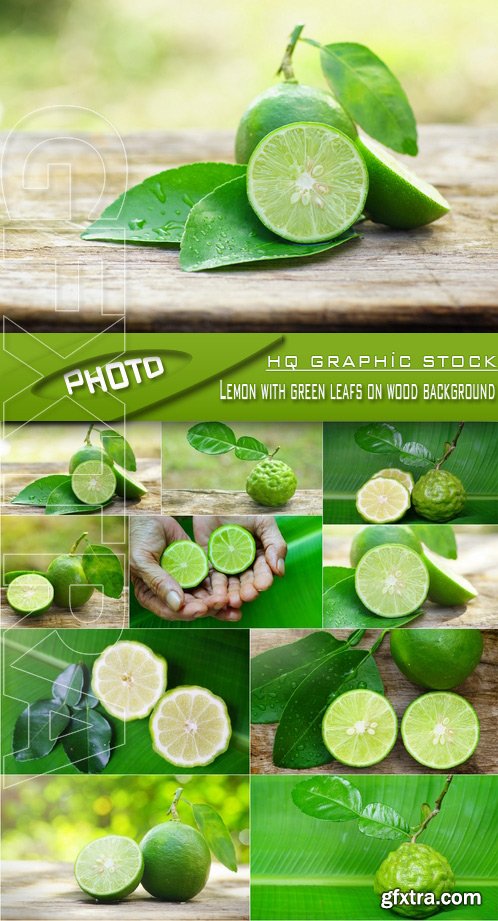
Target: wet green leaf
(68, 686)
(87, 741)
(211, 438)
(37, 493)
(118, 448)
(250, 449)
(103, 570)
(342, 609)
(212, 826)
(62, 501)
(334, 799)
(38, 728)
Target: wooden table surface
(99, 611)
(477, 561)
(480, 688)
(439, 277)
(16, 476)
(233, 502)
(42, 891)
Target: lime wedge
(231, 549)
(359, 728)
(440, 730)
(391, 580)
(109, 868)
(128, 679)
(397, 196)
(93, 482)
(307, 182)
(382, 499)
(393, 473)
(446, 587)
(30, 594)
(190, 727)
(186, 562)
(126, 486)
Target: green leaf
(118, 448)
(62, 501)
(371, 94)
(87, 741)
(38, 728)
(155, 211)
(222, 229)
(378, 438)
(88, 698)
(211, 438)
(342, 609)
(332, 575)
(212, 826)
(249, 448)
(68, 686)
(37, 493)
(277, 672)
(332, 798)
(414, 454)
(10, 576)
(103, 570)
(440, 538)
(380, 821)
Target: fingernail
(174, 601)
(281, 568)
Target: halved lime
(392, 580)
(394, 473)
(231, 549)
(446, 587)
(373, 535)
(128, 679)
(93, 482)
(397, 196)
(440, 730)
(359, 728)
(109, 868)
(307, 182)
(382, 499)
(186, 562)
(30, 594)
(126, 485)
(190, 726)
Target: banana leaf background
(219, 661)
(475, 461)
(310, 868)
(294, 601)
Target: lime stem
(88, 434)
(435, 811)
(78, 541)
(286, 67)
(172, 811)
(450, 447)
(277, 449)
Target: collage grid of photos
(332, 706)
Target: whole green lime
(416, 867)
(271, 483)
(436, 659)
(70, 584)
(375, 534)
(89, 452)
(438, 495)
(176, 862)
(283, 104)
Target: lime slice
(382, 499)
(231, 549)
(109, 868)
(30, 594)
(190, 727)
(126, 486)
(186, 562)
(359, 728)
(393, 473)
(307, 182)
(392, 580)
(397, 196)
(128, 679)
(446, 587)
(440, 730)
(93, 482)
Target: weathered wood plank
(99, 611)
(232, 502)
(37, 890)
(479, 689)
(440, 277)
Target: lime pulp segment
(186, 562)
(359, 728)
(109, 868)
(190, 726)
(382, 500)
(440, 730)
(307, 182)
(392, 580)
(231, 549)
(30, 594)
(93, 482)
(128, 679)
(394, 473)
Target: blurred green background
(160, 64)
(30, 542)
(52, 818)
(185, 468)
(55, 443)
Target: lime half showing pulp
(30, 594)
(307, 182)
(93, 482)
(109, 868)
(231, 549)
(359, 728)
(190, 726)
(440, 730)
(128, 679)
(186, 562)
(382, 500)
(392, 580)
